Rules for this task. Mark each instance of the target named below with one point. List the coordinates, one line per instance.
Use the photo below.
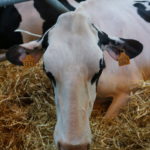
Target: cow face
(74, 61)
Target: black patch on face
(103, 37)
(141, 9)
(50, 76)
(9, 22)
(97, 75)
(45, 41)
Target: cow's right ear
(17, 54)
(116, 46)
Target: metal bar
(59, 6)
(10, 2)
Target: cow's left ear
(17, 54)
(115, 46)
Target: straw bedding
(27, 115)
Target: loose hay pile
(27, 115)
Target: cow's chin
(73, 147)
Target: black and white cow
(32, 16)
(80, 53)
(40, 15)
(7, 35)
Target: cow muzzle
(73, 147)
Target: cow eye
(98, 74)
(51, 77)
(95, 78)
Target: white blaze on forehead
(72, 42)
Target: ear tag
(123, 59)
(29, 61)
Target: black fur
(48, 13)
(103, 37)
(13, 55)
(141, 9)
(9, 39)
(50, 76)
(132, 47)
(96, 77)
(9, 22)
(45, 41)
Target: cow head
(73, 60)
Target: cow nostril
(73, 147)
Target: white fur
(115, 17)
(69, 57)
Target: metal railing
(10, 2)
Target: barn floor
(27, 115)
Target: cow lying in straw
(73, 60)
(76, 50)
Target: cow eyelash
(51, 77)
(95, 78)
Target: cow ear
(115, 46)
(131, 47)
(17, 54)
